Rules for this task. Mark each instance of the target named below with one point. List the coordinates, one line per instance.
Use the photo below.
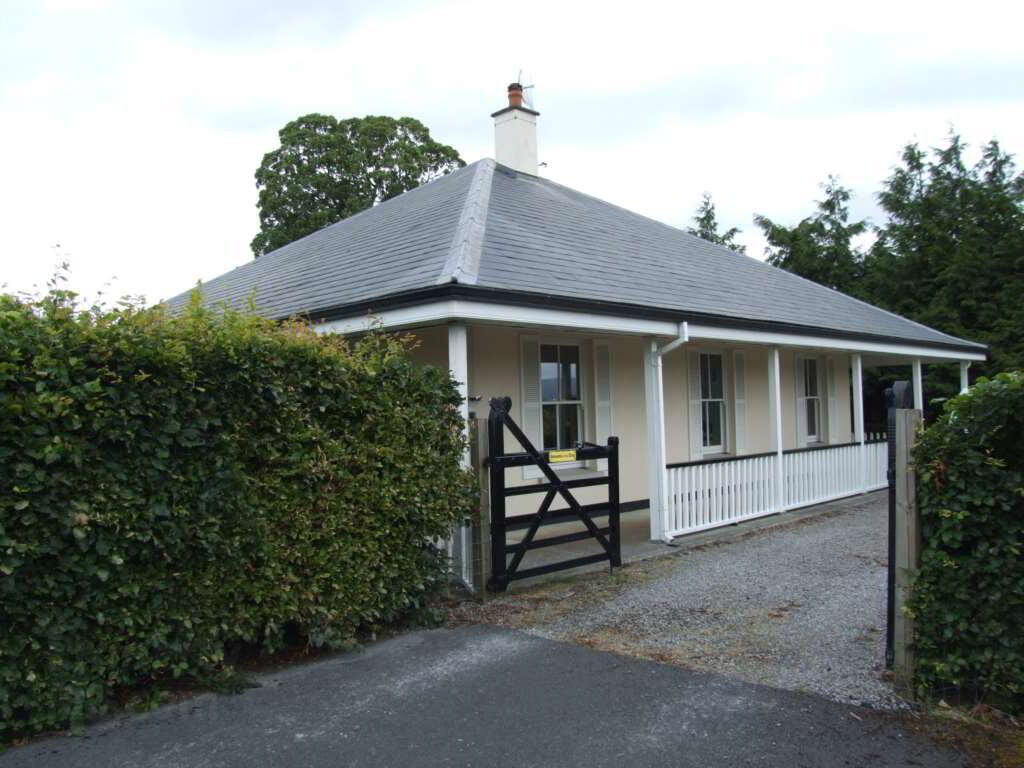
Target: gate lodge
(734, 387)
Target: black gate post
(900, 395)
(496, 468)
(614, 536)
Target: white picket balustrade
(877, 461)
(815, 476)
(709, 494)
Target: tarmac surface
(490, 696)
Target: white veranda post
(458, 366)
(857, 377)
(653, 401)
(775, 403)
(918, 389)
(964, 384)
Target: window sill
(572, 472)
(720, 456)
(578, 473)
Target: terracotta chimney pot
(515, 95)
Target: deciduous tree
(328, 169)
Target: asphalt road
(486, 696)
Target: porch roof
(493, 234)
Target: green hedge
(968, 600)
(172, 486)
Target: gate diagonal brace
(556, 481)
(538, 519)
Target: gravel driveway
(797, 606)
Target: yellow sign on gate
(558, 457)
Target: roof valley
(463, 262)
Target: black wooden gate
(502, 570)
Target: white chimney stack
(515, 133)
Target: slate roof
(488, 228)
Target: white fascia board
(850, 345)
(505, 314)
(449, 310)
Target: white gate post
(775, 404)
(653, 405)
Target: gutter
(547, 301)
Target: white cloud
(132, 130)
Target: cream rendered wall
(759, 426)
(759, 415)
(843, 427)
(677, 400)
(629, 419)
(494, 371)
(677, 406)
(787, 364)
(432, 346)
(844, 419)
(494, 366)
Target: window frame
(531, 472)
(809, 438)
(559, 402)
(721, 449)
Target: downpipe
(682, 338)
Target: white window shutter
(530, 406)
(739, 378)
(696, 420)
(799, 385)
(602, 397)
(832, 417)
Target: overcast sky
(131, 130)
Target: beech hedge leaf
(171, 486)
(968, 598)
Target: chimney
(515, 133)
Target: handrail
(787, 452)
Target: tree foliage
(951, 252)
(328, 169)
(706, 221)
(173, 487)
(822, 246)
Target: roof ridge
(463, 262)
